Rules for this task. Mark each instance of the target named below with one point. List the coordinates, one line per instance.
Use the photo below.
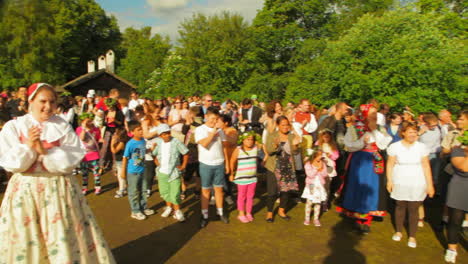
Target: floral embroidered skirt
(44, 218)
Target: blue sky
(164, 16)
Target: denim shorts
(212, 176)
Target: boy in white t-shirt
(212, 155)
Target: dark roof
(89, 76)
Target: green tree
(84, 31)
(401, 58)
(51, 40)
(143, 53)
(281, 27)
(214, 55)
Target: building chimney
(110, 61)
(91, 66)
(101, 62)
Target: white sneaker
(138, 216)
(465, 223)
(412, 244)
(445, 219)
(212, 200)
(148, 211)
(396, 237)
(179, 216)
(450, 256)
(166, 212)
(420, 223)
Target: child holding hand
(90, 136)
(118, 141)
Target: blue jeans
(136, 191)
(212, 176)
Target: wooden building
(101, 81)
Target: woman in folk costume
(365, 188)
(44, 218)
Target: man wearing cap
(88, 103)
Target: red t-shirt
(300, 117)
(102, 105)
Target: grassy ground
(164, 240)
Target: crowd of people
(367, 160)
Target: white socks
(205, 213)
(219, 211)
(445, 219)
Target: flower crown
(83, 116)
(245, 135)
(326, 130)
(311, 151)
(463, 138)
(110, 102)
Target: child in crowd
(244, 173)
(315, 192)
(327, 144)
(98, 120)
(191, 123)
(167, 159)
(133, 168)
(118, 141)
(90, 136)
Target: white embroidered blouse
(65, 150)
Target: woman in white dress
(44, 218)
(409, 180)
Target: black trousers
(456, 217)
(149, 173)
(272, 191)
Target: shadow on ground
(160, 246)
(343, 244)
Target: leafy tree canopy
(51, 40)
(401, 58)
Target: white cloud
(247, 8)
(126, 20)
(160, 5)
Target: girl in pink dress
(314, 191)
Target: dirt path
(163, 240)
